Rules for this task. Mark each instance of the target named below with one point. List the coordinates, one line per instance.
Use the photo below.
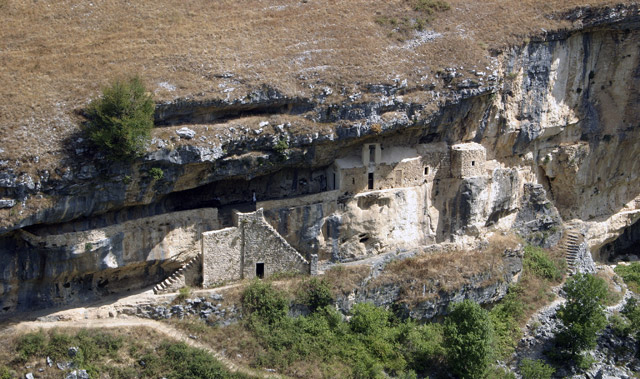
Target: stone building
(467, 160)
(251, 248)
(380, 166)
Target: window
(473, 163)
(426, 170)
(372, 153)
(371, 180)
(260, 270)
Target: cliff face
(557, 117)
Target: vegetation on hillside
(120, 121)
(133, 353)
(582, 315)
(630, 274)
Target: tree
(468, 339)
(121, 120)
(583, 314)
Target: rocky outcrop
(553, 115)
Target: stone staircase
(571, 245)
(177, 280)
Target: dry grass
(55, 55)
(422, 277)
(344, 279)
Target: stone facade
(251, 248)
(467, 160)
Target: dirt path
(165, 329)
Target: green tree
(583, 314)
(261, 300)
(121, 120)
(468, 334)
(315, 294)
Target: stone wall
(222, 256)
(467, 160)
(262, 244)
(232, 253)
(151, 238)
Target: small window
(473, 163)
(260, 270)
(371, 180)
(353, 180)
(426, 170)
(372, 153)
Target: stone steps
(571, 246)
(176, 277)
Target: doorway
(260, 270)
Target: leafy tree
(121, 120)
(315, 294)
(368, 319)
(468, 339)
(583, 314)
(265, 302)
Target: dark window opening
(473, 163)
(372, 153)
(426, 170)
(334, 180)
(260, 270)
(353, 180)
(371, 180)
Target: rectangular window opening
(473, 163)
(426, 170)
(260, 270)
(372, 153)
(371, 180)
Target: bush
(31, 344)
(531, 369)
(262, 300)
(468, 339)
(368, 319)
(583, 314)
(540, 264)
(121, 120)
(315, 294)
(156, 173)
(630, 274)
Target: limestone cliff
(557, 117)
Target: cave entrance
(625, 248)
(370, 180)
(260, 270)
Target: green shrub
(631, 311)
(422, 345)
(184, 293)
(540, 264)
(630, 274)
(468, 339)
(583, 314)
(620, 325)
(265, 302)
(281, 147)
(30, 345)
(535, 369)
(121, 120)
(368, 319)
(315, 294)
(430, 6)
(156, 173)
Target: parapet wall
(151, 238)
